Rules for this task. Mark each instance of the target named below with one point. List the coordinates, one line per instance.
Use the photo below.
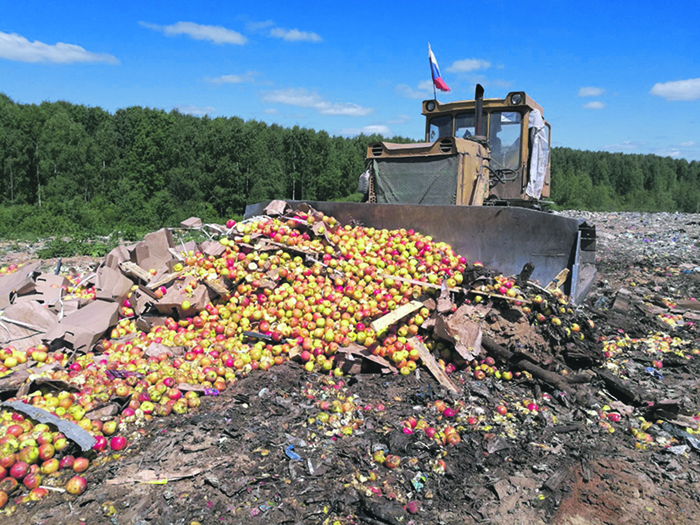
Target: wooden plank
(363, 352)
(558, 281)
(164, 280)
(418, 283)
(499, 296)
(297, 249)
(176, 254)
(432, 365)
(390, 318)
(135, 270)
(551, 378)
(217, 286)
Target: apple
(67, 462)
(117, 443)
(81, 464)
(50, 466)
(19, 470)
(76, 485)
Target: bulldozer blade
(502, 238)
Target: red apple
(81, 464)
(118, 443)
(50, 466)
(32, 481)
(67, 462)
(19, 470)
(76, 485)
(36, 494)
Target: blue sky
(614, 76)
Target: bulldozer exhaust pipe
(478, 109)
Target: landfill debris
(442, 392)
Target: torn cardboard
(20, 282)
(83, 328)
(154, 251)
(49, 288)
(29, 313)
(171, 302)
(192, 223)
(112, 285)
(71, 430)
(464, 333)
(118, 255)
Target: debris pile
(404, 383)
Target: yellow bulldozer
(479, 181)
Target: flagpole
(430, 63)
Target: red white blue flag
(435, 72)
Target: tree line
(602, 181)
(71, 169)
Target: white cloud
(590, 91)
(625, 145)
(678, 89)
(294, 35)
(668, 152)
(308, 99)
(688, 144)
(197, 111)
(216, 34)
(375, 129)
(407, 91)
(502, 83)
(596, 104)
(423, 90)
(468, 64)
(249, 76)
(16, 47)
(257, 26)
(271, 111)
(400, 119)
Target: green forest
(68, 169)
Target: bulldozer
(479, 182)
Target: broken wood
(363, 352)
(524, 275)
(164, 280)
(558, 281)
(551, 378)
(418, 283)
(402, 311)
(499, 296)
(217, 286)
(619, 389)
(135, 270)
(431, 364)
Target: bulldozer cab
(510, 126)
(476, 152)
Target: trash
(418, 481)
(293, 456)
(654, 372)
(511, 401)
(71, 430)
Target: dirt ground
(259, 453)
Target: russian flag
(435, 71)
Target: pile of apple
(12, 268)
(302, 282)
(33, 457)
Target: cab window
(504, 137)
(465, 125)
(440, 126)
